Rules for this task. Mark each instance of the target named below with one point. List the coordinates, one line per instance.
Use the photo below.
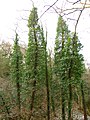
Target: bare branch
(32, 3)
(48, 9)
(84, 3)
(71, 19)
(54, 9)
(76, 2)
(73, 8)
(24, 19)
(80, 16)
(71, 12)
(23, 10)
(69, 1)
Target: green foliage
(33, 42)
(4, 65)
(68, 63)
(16, 61)
(17, 75)
(35, 62)
(33, 18)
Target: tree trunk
(47, 87)
(63, 102)
(51, 85)
(70, 93)
(83, 101)
(19, 102)
(18, 88)
(62, 87)
(70, 103)
(35, 74)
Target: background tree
(16, 70)
(59, 63)
(5, 52)
(35, 60)
(68, 65)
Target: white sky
(11, 14)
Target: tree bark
(18, 88)
(63, 102)
(47, 87)
(83, 101)
(70, 93)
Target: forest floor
(77, 115)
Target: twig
(48, 9)
(71, 19)
(69, 1)
(80, 16)
(76, 2)
(73, 8)
(54, 9)
(71, 12)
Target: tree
(79, 69)
(59, 63)
(68, 64)
(5, 52)
(47, 82)
(16, 70)
(32, 53)
(35, 58)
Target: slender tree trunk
(48, 99)
(70, 94)
(51, 86)
(83, 101)
(47, 87)
(62, 87)
(63, 102)
(18, 88)
(70, 103)
(52, 98)
(32, 99)
(18, 97)
(35, 75)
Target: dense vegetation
(35, 84)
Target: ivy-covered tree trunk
(16, 72)
(50, 62)
(18, 84)
(60, 63)
(70, 93)
(83, 101)
(62, 74)
(47, 83)
(35, 73)
(63, 103)
(47, 88)
(76, 69)
(35, 62)
(18, 78)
